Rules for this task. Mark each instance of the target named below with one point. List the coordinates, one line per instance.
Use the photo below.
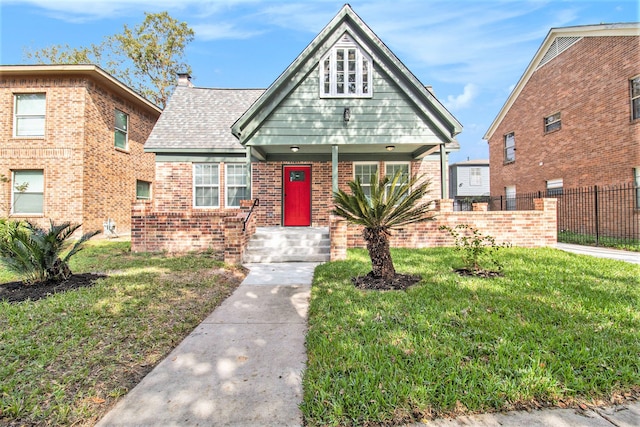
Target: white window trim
(125, 131)
(13, 193)
(226, 186)
(549, 121)
(472, 183)
(15, 115)
(632, 98)
(505, 147)
(150, 190)
(193, 186)
(345, 42)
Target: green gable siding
(389, 117)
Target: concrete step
(288, 244)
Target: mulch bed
(14, 292)
(399, 282)
(478, 273)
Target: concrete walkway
(600, 252)
(242, 366)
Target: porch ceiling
(351, 151)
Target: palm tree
(36, 254)
(392, 203)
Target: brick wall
(85, 179)
(219, 231)
(598, 143)
(535, 228)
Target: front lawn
(558, 329)
(66, 359)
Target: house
(469, 182)
(345, 108)
(573, 118)
(71, 146)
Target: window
(475, 176)
(554, 187)
(27, 190)
(510, 148)
(121, 130)
(635, 98)
(143, 190)
(28, 119)
(510, 192)
(346, 71)
(364, 172)
(636, 182)
(552, 123)
(392, 168)
(235, 178)
(206, 183)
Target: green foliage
(35, 254)
(392, 203)
(147, 58)
(454, 345)
(68, 358)
(475, 248)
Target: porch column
(334, 168)
(444, 172)
(248, 170)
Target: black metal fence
(598, 215)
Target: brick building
(573, 119)
(75, 136)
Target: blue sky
(471, 52)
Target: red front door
(297, 195)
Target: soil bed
(399, 282)
(14, 292)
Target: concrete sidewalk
(600, 252)
(242, 366)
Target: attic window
(346, 71)
(559, 45)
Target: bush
(35, 253)
(475, 249)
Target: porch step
(288, 244)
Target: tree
(392, 203)
(147, 58)
(36, 254)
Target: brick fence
(218, 231)
(535, 228)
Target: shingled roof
(197, 119)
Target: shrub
(35, 253)
(475, 248)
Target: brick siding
(86, 179)
(535, 228)
(598, 143)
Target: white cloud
(219, 31)
(463, 100)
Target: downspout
(248, 170)
(444, 190)
(334, 168)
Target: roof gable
(346, 21)
(558, 40)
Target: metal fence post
(597, 218)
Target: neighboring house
(346, 108)
(71, 144)
(573, 119)
(469, 182)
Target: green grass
(604, 241)
(66, 359)
(557, 329)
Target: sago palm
(36, 254)
(393, 202)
